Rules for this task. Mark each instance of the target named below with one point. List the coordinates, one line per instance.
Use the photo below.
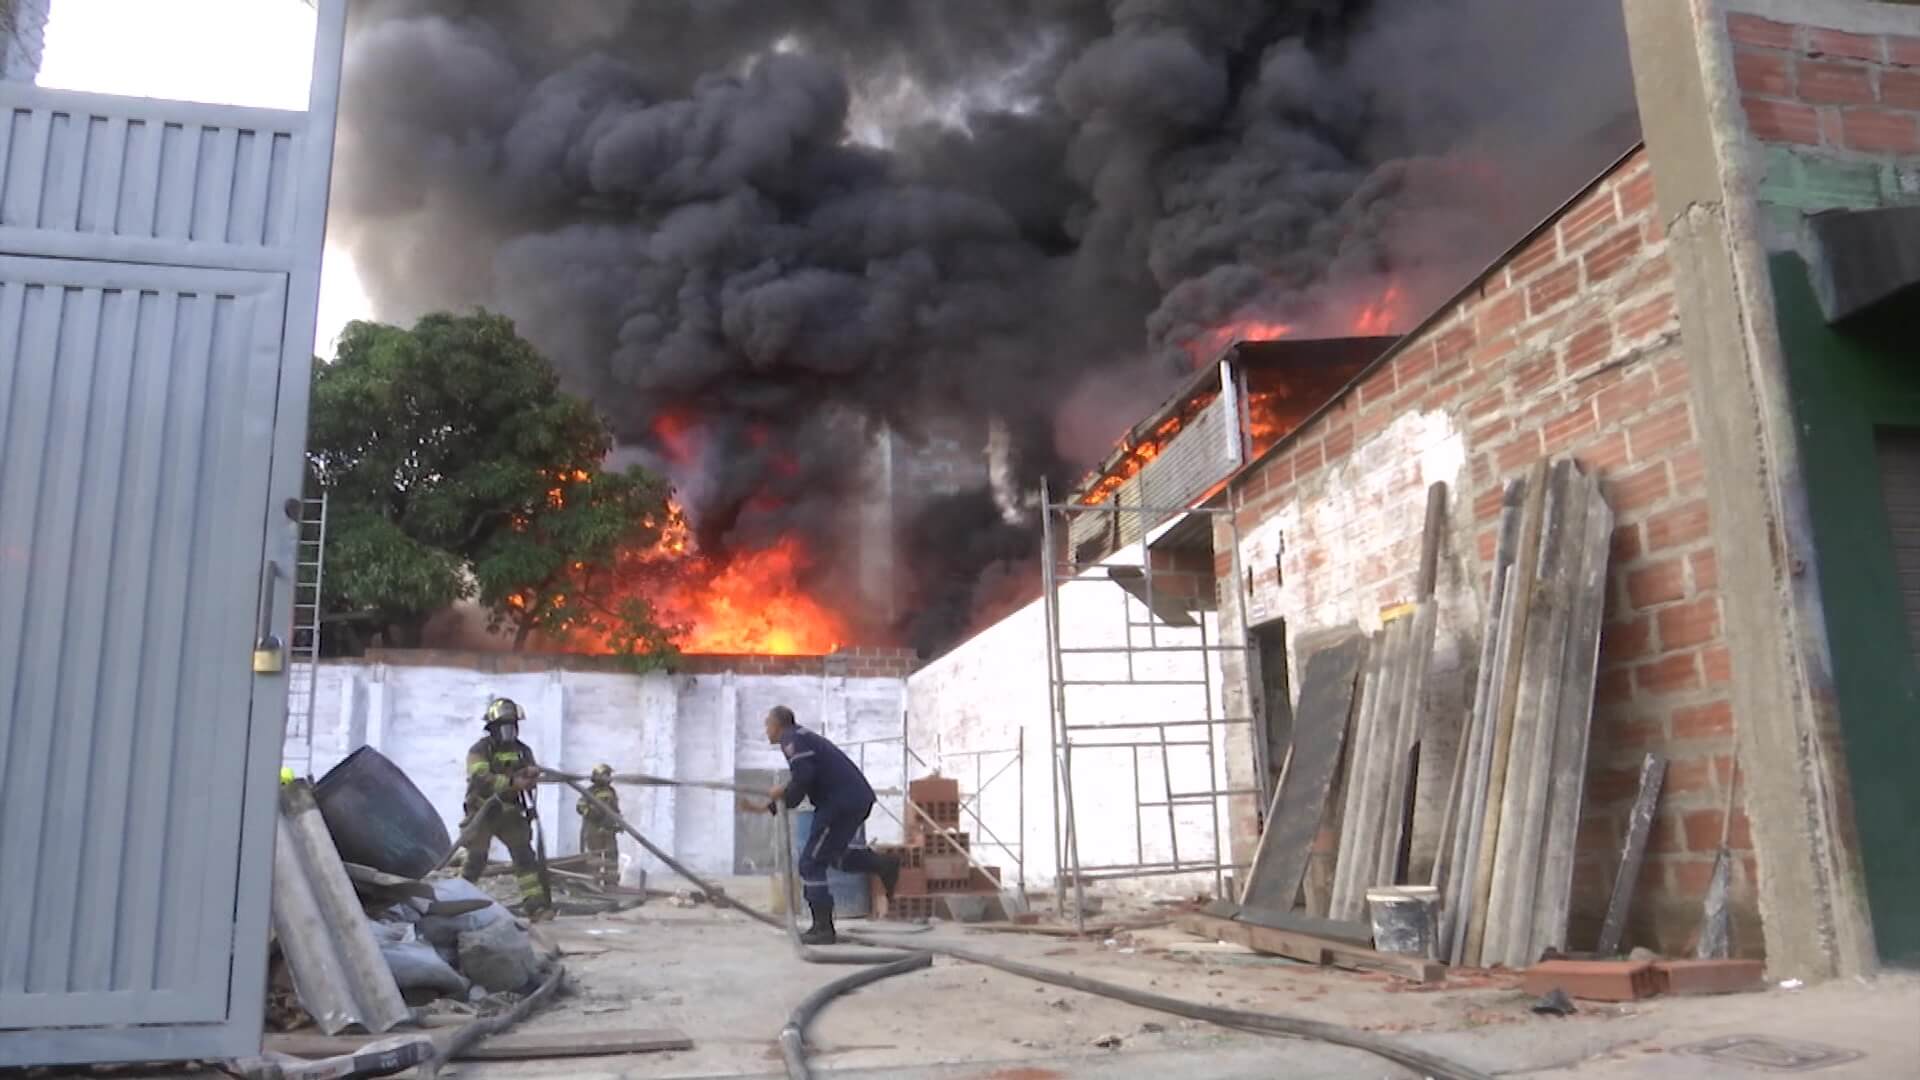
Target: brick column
(1778, 672)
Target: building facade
(1709, 330)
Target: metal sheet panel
(149, 181)
(138, 422)
(1196, 459)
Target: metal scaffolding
(1158, 653)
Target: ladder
(303, 652)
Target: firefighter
(841, 799)
(501, 765)
(599, 837)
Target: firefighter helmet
(503, 711)
(603, 774)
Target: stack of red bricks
(933, 862)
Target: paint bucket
(851, 898)
(1406, 918)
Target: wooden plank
(1574, 727)
(1507, 682)
(1404, 722)
(1359, 748)
(1353, 933)
(1394, 831)
(527, 1045)
(1470, 783)
(1653, 772)
(1360, 837)
(1444, 856)
(1431, 535)
(1320, 733)
(512, 1046)
(1461, 911)
(1312, 950)
(1530, 759)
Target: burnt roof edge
(1288, 440)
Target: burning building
(785, 249)
(790, 252)
(1699, 323)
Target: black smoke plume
(755, 233)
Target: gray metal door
(136, 433)
(159, 275)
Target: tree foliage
(457, 469)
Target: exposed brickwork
(1593, 369)
(862, 662)
(1845, 94)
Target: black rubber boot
(888, 871)
(821, 932)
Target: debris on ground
(1554, 1003)
(499, 956)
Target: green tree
(456, 468)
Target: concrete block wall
(422, 709)
(1570, 347)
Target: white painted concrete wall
(696, 727)
(991, 693)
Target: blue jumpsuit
(842, 799)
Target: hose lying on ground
(896, 962)
(793, 1037)
(465, 1036)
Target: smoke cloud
(755, 233)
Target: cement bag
(417, 967)
(444, 931)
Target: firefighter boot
(821, 932)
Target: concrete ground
(728, 984)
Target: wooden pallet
(1308, 948)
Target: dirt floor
(728, 984)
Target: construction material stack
(938, 873)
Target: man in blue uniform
(841, 799)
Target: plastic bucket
(851, 897)
(378, 818)
(1406, 918)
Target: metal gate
(159, 269)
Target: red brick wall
(1572, 347)
(862, 662)
(1808, 86)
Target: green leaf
(456, 467)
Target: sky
(228, 52)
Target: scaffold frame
(1064, 567)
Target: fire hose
(893, 958)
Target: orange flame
(1382, 316)
(1271, 414)
(750, 602)
(1208, 346)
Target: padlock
(269, 655)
